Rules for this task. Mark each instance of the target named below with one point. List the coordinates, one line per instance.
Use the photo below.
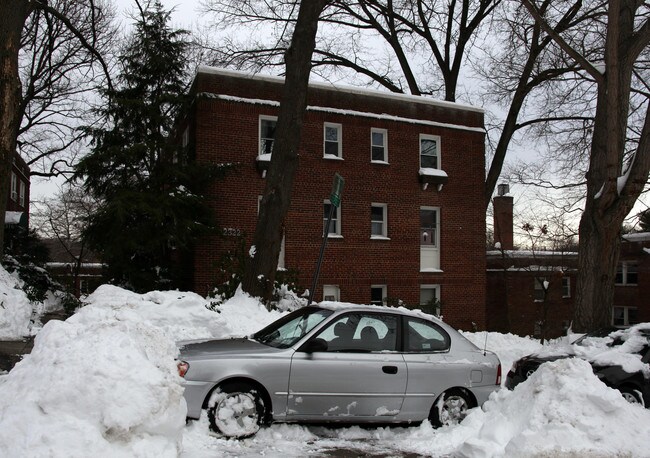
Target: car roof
(349, 307)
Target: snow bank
(508, 347)
(15, 308)
(98, 384)
(184, 315)
(561, 409)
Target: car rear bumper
(195, 393)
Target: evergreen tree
(150, 189)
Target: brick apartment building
(517, 301)
(411, 225)
(18, 196)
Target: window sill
(435, 271)
(379, 162)
(379, 237)
(332, 157)
(626, 285)
(334, 236)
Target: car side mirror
(314, 345)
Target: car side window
(425, 337)
(361, 333)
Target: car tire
(631, 395)
(450, 408)
(236, 410)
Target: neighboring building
(79, 270)
(411, 226)
(533, 292)
(18, 196)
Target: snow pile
(561, 409)
(100, 384)
(508, 347)
(15, 308)
(184, 315)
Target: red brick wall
(227, 132)
(20, 168)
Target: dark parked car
(338, 363)
(606, 351)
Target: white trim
(430, 254)
(381, 116)
(339, 140)
(384, 225)
(342, 88)
(259, 133)
(337, 222)
(384, 132)
(334, 290)
(438, 154)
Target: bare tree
(64, 218)
(260, 272)
(24, 105)
(614, 178)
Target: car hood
(234, 347)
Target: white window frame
(538, 288)
(438, 155)
(626, 314)
(384, 293)
(14, 185)
(339, 130)
(625, 268)
(384, 222)
(430, 287)
(262, 118)
(22, 193)
(430, 253)
(331, 293)
(336, 221)
(384, 145)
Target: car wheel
(631, 395)
(236, 410)
(450, 408)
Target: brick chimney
(502, 205)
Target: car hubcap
(235, 414)
(454, 409)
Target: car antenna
(485, 346)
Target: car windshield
(289, 329)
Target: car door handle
(389, 369)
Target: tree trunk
(612, 189)
(262, 265)
(12, 18)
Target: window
(22, 194)
(335, 224)
(378, 221)
(185, 140)
(332, 146)
(429, 239)
(429, 299)
(566, 286)
(540, 286)
(362, 333)
(429, 152)
(378, 294)
(267, 134)
(627, 274)
(425, 337)
(331, 293)
(378, 145)
(624, 316)
(14, 185)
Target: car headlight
(182, 367)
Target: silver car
(338, 363)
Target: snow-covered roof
(343, 88)
(637, 237)
(530, 254)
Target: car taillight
(498, 382)
(182, 368)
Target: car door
(360, 375)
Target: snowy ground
(103, 383)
